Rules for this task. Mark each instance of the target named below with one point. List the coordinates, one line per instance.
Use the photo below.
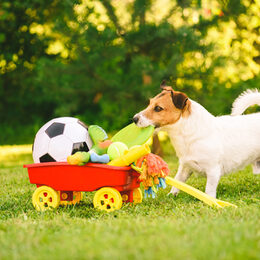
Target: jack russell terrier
(204, 143)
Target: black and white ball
(59, 138)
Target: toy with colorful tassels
(153, 170)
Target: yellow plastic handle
(198, 194)
(131, 156)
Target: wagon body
(70, 180)
(90, 177)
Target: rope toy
(153, 170)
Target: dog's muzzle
(141, 121)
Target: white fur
(215, 145)
(143, 121)
(246, 99)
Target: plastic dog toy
(133, 135)
(198, 194)
(131, 156)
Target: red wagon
(61, 183)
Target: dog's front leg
(213, 177)
(182, 174)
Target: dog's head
(164, 109)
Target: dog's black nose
(136, 119)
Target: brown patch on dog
(167, 107)
(168, 88)
(162, 94)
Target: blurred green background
(100, 61)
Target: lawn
(160, 228)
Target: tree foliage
(102, 60)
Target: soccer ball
(59, 138)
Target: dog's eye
(158, 109)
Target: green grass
(161, 228)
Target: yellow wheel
(137, 196)
(108, 199)
(77, 197)
(45, 198)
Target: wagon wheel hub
(45, 198)
(108, 199)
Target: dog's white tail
(246, 99)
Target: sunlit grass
(160, 228)
(6, 150)
(11, 155)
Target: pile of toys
(68, 139)
(102, 151)
(125, 149)
(62, 183)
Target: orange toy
(153, 170)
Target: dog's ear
(164, 86)
(179, 99)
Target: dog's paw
(256, 167)
(174, 192)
